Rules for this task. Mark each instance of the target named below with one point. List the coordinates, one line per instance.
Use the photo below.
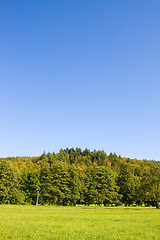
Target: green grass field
(44, 222)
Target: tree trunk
(157, 205)
(37, 198)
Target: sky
(80, 74)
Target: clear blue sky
(80, 74)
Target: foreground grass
(41, 222)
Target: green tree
(74, 185)
(126, 184)
(106, 186)
(30, 183)
(61, 182)
(9, 183)
(89, 192)
(46, 186)
(149, 189)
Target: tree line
(73, 176)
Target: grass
(44, 222)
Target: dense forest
(73, 176)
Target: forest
(76, 176)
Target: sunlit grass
(44, 222)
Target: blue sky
(80, 74)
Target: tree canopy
(76, 176)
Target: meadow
(80, 222)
